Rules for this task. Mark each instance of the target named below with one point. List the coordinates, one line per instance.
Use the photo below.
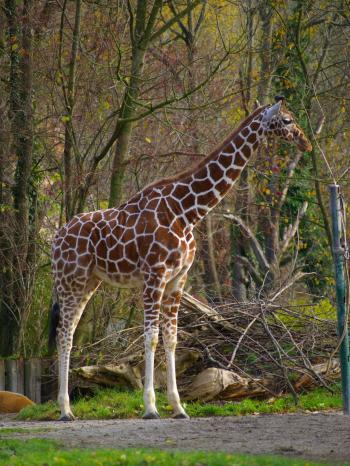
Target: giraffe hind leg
(72, 306)
(171, 303)
(70, 314)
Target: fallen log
(128, 373)
(329, 371)
(111, 375)
(220, 384)
(212, 384)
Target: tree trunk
(240, 279)
(206, 246)
(14, 299)
(125, 129)
(239, 245)
(7, 320)
(119, 166)
(140, 39)
(265, 13)
(68, 135)
(210, 278)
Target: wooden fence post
(2, 375)
(32, 379)
(14, 371)
(35, 378)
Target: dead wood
(235, 350)
(329, 371)
(221, 384)
(192, 303)
(128, 373)
(121, 375)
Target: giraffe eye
(287, 121)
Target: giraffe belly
(120, 280)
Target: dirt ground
(317, 436)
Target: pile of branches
(290, 346)
(262, 344)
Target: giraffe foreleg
(171, 303)
(152, 297)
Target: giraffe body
(149, 242)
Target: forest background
(100, 98)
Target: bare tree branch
(291, 230)
(255, 245)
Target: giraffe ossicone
(148, 241)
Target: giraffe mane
(189, 171)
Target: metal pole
(338, 257)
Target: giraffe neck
(197, 192)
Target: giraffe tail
(54, 319)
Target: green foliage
(293, 44)
(324, 309)
(252, 358)
(116, 404)
(35, 329)
(40, 451)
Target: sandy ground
(317, 436)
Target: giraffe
(148, 241)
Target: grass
(45, 452)
(111, 404)
(8, 431)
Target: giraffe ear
(272, 111)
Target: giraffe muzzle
(305, 145)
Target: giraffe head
(278, 121)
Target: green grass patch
(117, 404)
(45, 452)
(19, 430)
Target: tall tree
(15, 273)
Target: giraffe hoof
(181, 416)
(67, 417)
(151, 416)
